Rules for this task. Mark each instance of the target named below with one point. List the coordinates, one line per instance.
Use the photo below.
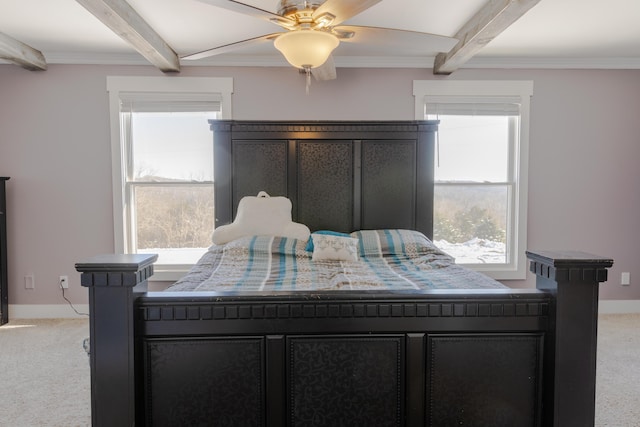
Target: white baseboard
(47, 311)
(618, 306)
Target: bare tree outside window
(170, 184)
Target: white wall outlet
(64, 282)
(29, 282)
(625, 279)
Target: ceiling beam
(123, 20)
(485, 25)
(21, 54)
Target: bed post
(570, 355)
(114, 281)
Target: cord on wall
(70, 304)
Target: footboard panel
(193, 382)
(499, 385)
(345, 380)
(342, 360)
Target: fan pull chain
(308, 73)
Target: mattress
(386, 260)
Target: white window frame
(119, 85)
(515, 268)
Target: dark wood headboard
(339, 175)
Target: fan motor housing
(300, 8)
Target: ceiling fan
(313, 31)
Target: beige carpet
(44, 373)
(618, 371)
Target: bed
(337, 352)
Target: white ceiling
(554, 33)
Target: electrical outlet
(64, 282)
(625, 279)
(29, 282)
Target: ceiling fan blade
(229, 47)
(249, 10)
(326, 71)
(402, 38)
(343, 9)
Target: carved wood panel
(259, 166)
(325, 185)
(388, 182)
(200, 382)
(484, 380)
(346, 381)
(319, 166)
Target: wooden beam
(123, 20)
(486, 25)
(21, 54)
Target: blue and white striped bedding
(388, 260)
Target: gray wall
(55, 146)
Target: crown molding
(514, 62)
(484, 62)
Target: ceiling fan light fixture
(306, 48)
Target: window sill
(168, 274)
(495, 272)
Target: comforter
(386, 260)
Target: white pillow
(335, 248)
(261, 215)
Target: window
(162, 151)
(480, 200)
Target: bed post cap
(116, 262)
(568, 265)
(559, 258)
(116, 269)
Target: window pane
(170, 219)
(172, 146)
(470, 222)
(473, 149)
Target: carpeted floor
(618, 371)
(44, 373)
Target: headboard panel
(325, 184)
(339, 175)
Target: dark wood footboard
(438, 358)
(573, 279)
(114, 282)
